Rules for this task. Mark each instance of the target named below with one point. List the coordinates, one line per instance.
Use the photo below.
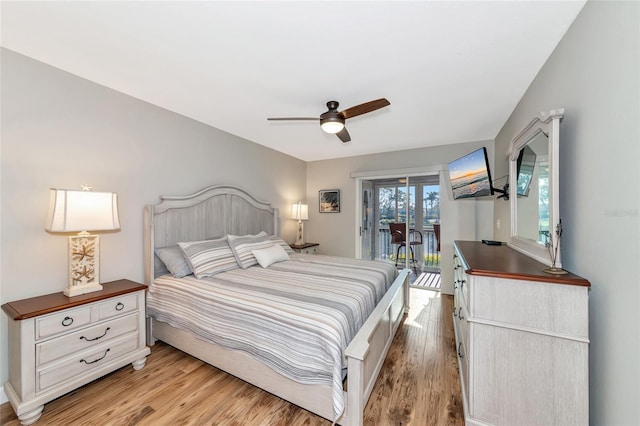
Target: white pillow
(270, 255)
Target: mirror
(533, 170)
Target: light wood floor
(418, 385)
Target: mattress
(296, 316)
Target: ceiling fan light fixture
(332, 124)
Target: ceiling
(453, 71)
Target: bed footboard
(368, 349)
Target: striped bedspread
(297, 316)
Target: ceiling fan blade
(364, 108)
(293, 118)
(344, 135)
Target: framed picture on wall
(329, 201)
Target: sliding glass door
(414, 202)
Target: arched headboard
(210, 213)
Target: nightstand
(59, 343)
(306, 248)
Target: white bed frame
(219, 210)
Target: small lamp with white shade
(300, 212)
(83, 211)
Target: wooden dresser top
(40, 305)
(505, 262)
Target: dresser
(59, 343)
(522, 338)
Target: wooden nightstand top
(41, 305)
(303, 246)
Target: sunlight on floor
(420, 298)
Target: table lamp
(82, 211)
(300, 212)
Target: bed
(373, 298)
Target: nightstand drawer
(80, 340)
(82, 363)
(62, 322)
(118, 306)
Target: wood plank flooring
(418, 385)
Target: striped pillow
(209, 257)
(282, 244)
(241, 246)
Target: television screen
(526, 164)
(470, 175)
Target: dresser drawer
(463, 360)
(62, 322)
(464, 368)
(118, 306)
(460, 278)
(462, 315)
(84, 362)
(57, 348)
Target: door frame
(385, 174)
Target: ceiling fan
(333, 120)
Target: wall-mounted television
(470, 175)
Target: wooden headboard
(212, 212)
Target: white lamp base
(77, 290)
(84, 264)
(300, 238)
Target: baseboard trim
(3, 396)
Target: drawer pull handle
(460, 354)
(67, 321)
(460, 313)
(96, 360)
(95, 338)
(119, 306)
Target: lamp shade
(300, 211)
(76, 211)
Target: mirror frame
(549, 123)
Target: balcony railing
(427, 252)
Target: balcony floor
(426, 280)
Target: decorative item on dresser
(57, 343)
(553, 245)
(82, 211)
(305, 248)
(522, 338)
(300, 212)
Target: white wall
(594, 73)
(62, 131)
(336, 232)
